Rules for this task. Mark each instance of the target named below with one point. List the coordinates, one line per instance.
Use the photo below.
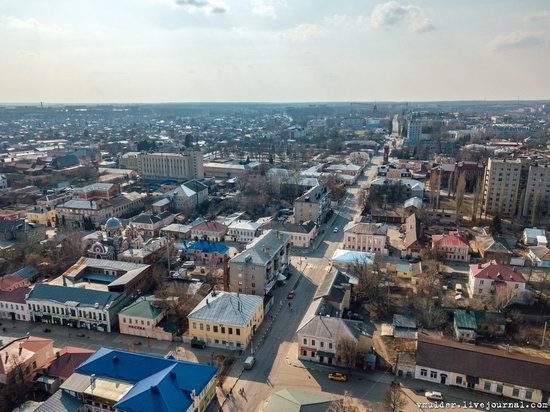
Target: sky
(141, 51)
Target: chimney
(479, 265)
(226, 273)
(57, 355)
(20, 348)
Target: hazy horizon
(273, 51)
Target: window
(207, 327)
(201, 326)
(194, 325)
(516, 286)
(322, 344)
(499, 388)
(215, 329)
(487, 386)
(305, 341)
(433, 374)
(423, 372)
(304, 353)
(459, 380)
(238, 331)
(222, 329)
(515, 392)
(480, 291)
(481, 282)
(312, 353)
(529, 395)
(230, 330)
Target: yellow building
(226, 319)
(44, 215)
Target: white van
(249, 362)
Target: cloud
(387, 15)
(423, 26)
(539, 15)
(517, 40)
(300, 33)
(337, 20)
(267, 8)
(28, 25)
(207, 6)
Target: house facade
(313, 205)
(489, 278)
(370, 237)
(453, 246)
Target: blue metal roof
(161, 385)
(205, 246)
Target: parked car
(291, 294)
(249, 362)
(335, 230)
(434, 396)
(337, 376)
(355, 316)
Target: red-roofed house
(489, 278)
(12, 282)
(31, 353)
(213, 231)
(62, 366)
(452, 245)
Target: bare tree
(17, 388)
(372, 288)
(346, 404)
(347, 351)
(394, 399)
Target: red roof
(69, 359)
(450, 239)
(494, 271)
(211, 227)
(15, 296)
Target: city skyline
(272, 51)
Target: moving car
(290, 294)
(434, 396)
(337, 376)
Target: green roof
(142, 308)
(294, 401)
(465, 319)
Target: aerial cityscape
(274, 206)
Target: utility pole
(543, 334)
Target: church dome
(113, 223)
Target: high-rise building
(414, 131)
(158, 166)
(536, 199)
(501, 187)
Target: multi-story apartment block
(536, 204)
(414, 132)
(160, 166)
(501, 187)
(313, 205)
(255, 270)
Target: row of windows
(137, 322)
(314, 343)
(56, 310)
(12, 306)
(216, 329)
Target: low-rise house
(13, 304)
(452, 246)
(9, 283)
(149, 224)
(321, 339)
(204, 251)
(491, 249)
(29, 353)
(539, 256)
(290, 400)
(534, 237)
(490, 278)
(129, 382)
(213, 231)
(225, 319)
(242, 231)
(313, 205)
(97, 191)
(176, 231)
(17, 236)
(301, 234)
(144, 317)
(256, 269)
(336, 291)
(405, 187)
(43, 215)
(471, 324)
(62, 366)
(465, 325)
(370, 237)
(414, 236)
(404, 327)
(484, 369)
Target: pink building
(453, 246)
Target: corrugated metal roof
(226, 308)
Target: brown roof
(494, 271)
(368, 229)
(483, 362)
(412, 231)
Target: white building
(161, 166)
(243, 231)
(366, 237)
(490, 278)
(13, 305)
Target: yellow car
(337, 376)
